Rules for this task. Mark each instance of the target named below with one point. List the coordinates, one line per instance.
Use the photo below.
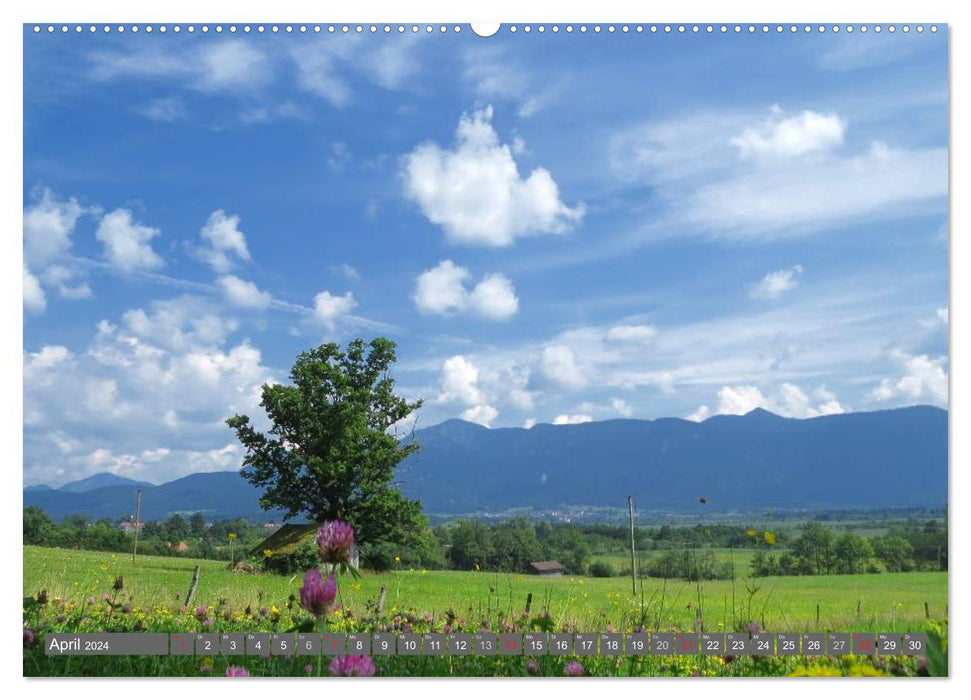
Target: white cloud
(924, 379)
(494, 298)
(873, 183)
(460, 381)
(349, 271)
(774, 284)
(622, 407)
(65, 279)
(127, 243)
(230, 65)
(559, 363)
(441, 290)
(164, 109)
(34, 299)
(942, 315)
(475, 192)
(339, 156)
(792, 182)
(703, 413)
(492, 75)
(38, 365)
(328, 307)
(391, 64)
(632, 334)
(788, 400)
(224, 241)
(318, 72)
(176, 324)
(147, 395)
(739, 400)
(571, 419)
(782, 136)
(48, 226)
(244, 293)
(482, 414)
(529, 423)
(521, 398)
(325, 65)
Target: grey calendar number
(712, 644)
(585, 644)
(662, 644)
(232, 644)
(561, 643)
(181, 644)
(888, 643)
(915, 644)
(535, 643)
(813, 644)
(738, 644)
(281, 644)
(787, 644)
(434, 644)
(257, 644)
(611, 644)
(333, 644)
(510, 644)
(763, 644)
(838, 644)
(308, 644)
(686, 644)
(409, 644)
(359, 644)
(382, 644)
(638, 643)
(864, 644)
(207, 644)
(460, 644)
(484, 644)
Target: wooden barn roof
(286, 539)
(547, 565)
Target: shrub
(602, 569)
(378, 558)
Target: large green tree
(329, 452)
(815, 549)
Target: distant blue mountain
(895, 458)
(100, 481)
(882, 459)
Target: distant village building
(546, 568)
(128, 526)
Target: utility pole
(138, 507)
(633, 564)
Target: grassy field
(741, 558)
(879, 602)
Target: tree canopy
(329, 453)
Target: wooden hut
(546, 568)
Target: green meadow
(884, 602)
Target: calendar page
(515, 350)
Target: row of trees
(512, 545)
(819, 550)
(174, 536)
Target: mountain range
(881, 459)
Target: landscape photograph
(569, 350)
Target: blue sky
(554, 228)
